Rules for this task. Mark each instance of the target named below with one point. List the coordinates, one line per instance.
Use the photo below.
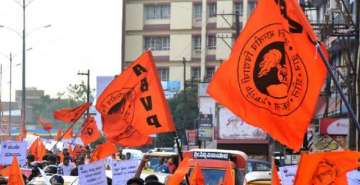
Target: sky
(84, 34)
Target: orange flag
(180, 172)
(68, 133)
(196, 176)
(275, 180)
(89, 131)
(126, 136)
(38, 149)
(15, 174)
(326, 167)
(103, 150)
(229, 178)
(58, 134)
(70, 115)
(5, 171)
(273, 71)
(47, 125)
(136, 98)
(22, 134)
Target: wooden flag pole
(337, 85)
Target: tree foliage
(184, 109)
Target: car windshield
(158, 164)
(213, 176)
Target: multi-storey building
(172, 30)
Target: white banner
(232, 127)
(122, 171)
(353, 177)
(287, 174)
(92, 174)
(11, 148)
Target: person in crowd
(172, 164)
(135, 181)
(57, 180)
(51, 158)
(154, 183)
(162, 167)
(66, 166)
(151, 178)
(128, 156)
(79, 161)
(3, 180)
(30, 158)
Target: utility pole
(203, 41)
(10, 94)
(23, 97)
(1, 110)
(237, 24)
(88, 89)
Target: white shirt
(66, 169)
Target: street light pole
(88, 88)
(10, 94)
(23, 94)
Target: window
(196, 42)
(239, 8)
(212, 10)
(163, 73)
(197, 10)
(157, 43)
(209, 72)
(161, 11)
(195, 73)
(211, 44)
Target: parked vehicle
(213, 164)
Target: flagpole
(337, 85)
(67, 130)
(179, 149)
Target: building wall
(181, 26)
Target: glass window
(211, 44)
(163, 73)
(161, 11)
(197, 10)
(209, 72)
(157, 43)
(196, 42)
(251, 7)
(195, 73)
(212, 10)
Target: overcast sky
(84, 34)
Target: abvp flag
(136, 98)
(70, 115)
(273, 76)
(89, 131)
(326, 167)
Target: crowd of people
(66, 163)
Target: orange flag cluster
(15, 174)
(38, 149)
(273, 71)
(133, 105)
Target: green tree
(184, 108)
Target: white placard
(11, 148)
(287, 174)
(122, 171)
(92, 174)
(353, 177)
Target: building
(172, 30)
(5, 117)
(33, 96)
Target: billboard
(334, 126)
(232, 127)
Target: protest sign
(287, 174)
(92, 174)
(122, 171)
(11, 148)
